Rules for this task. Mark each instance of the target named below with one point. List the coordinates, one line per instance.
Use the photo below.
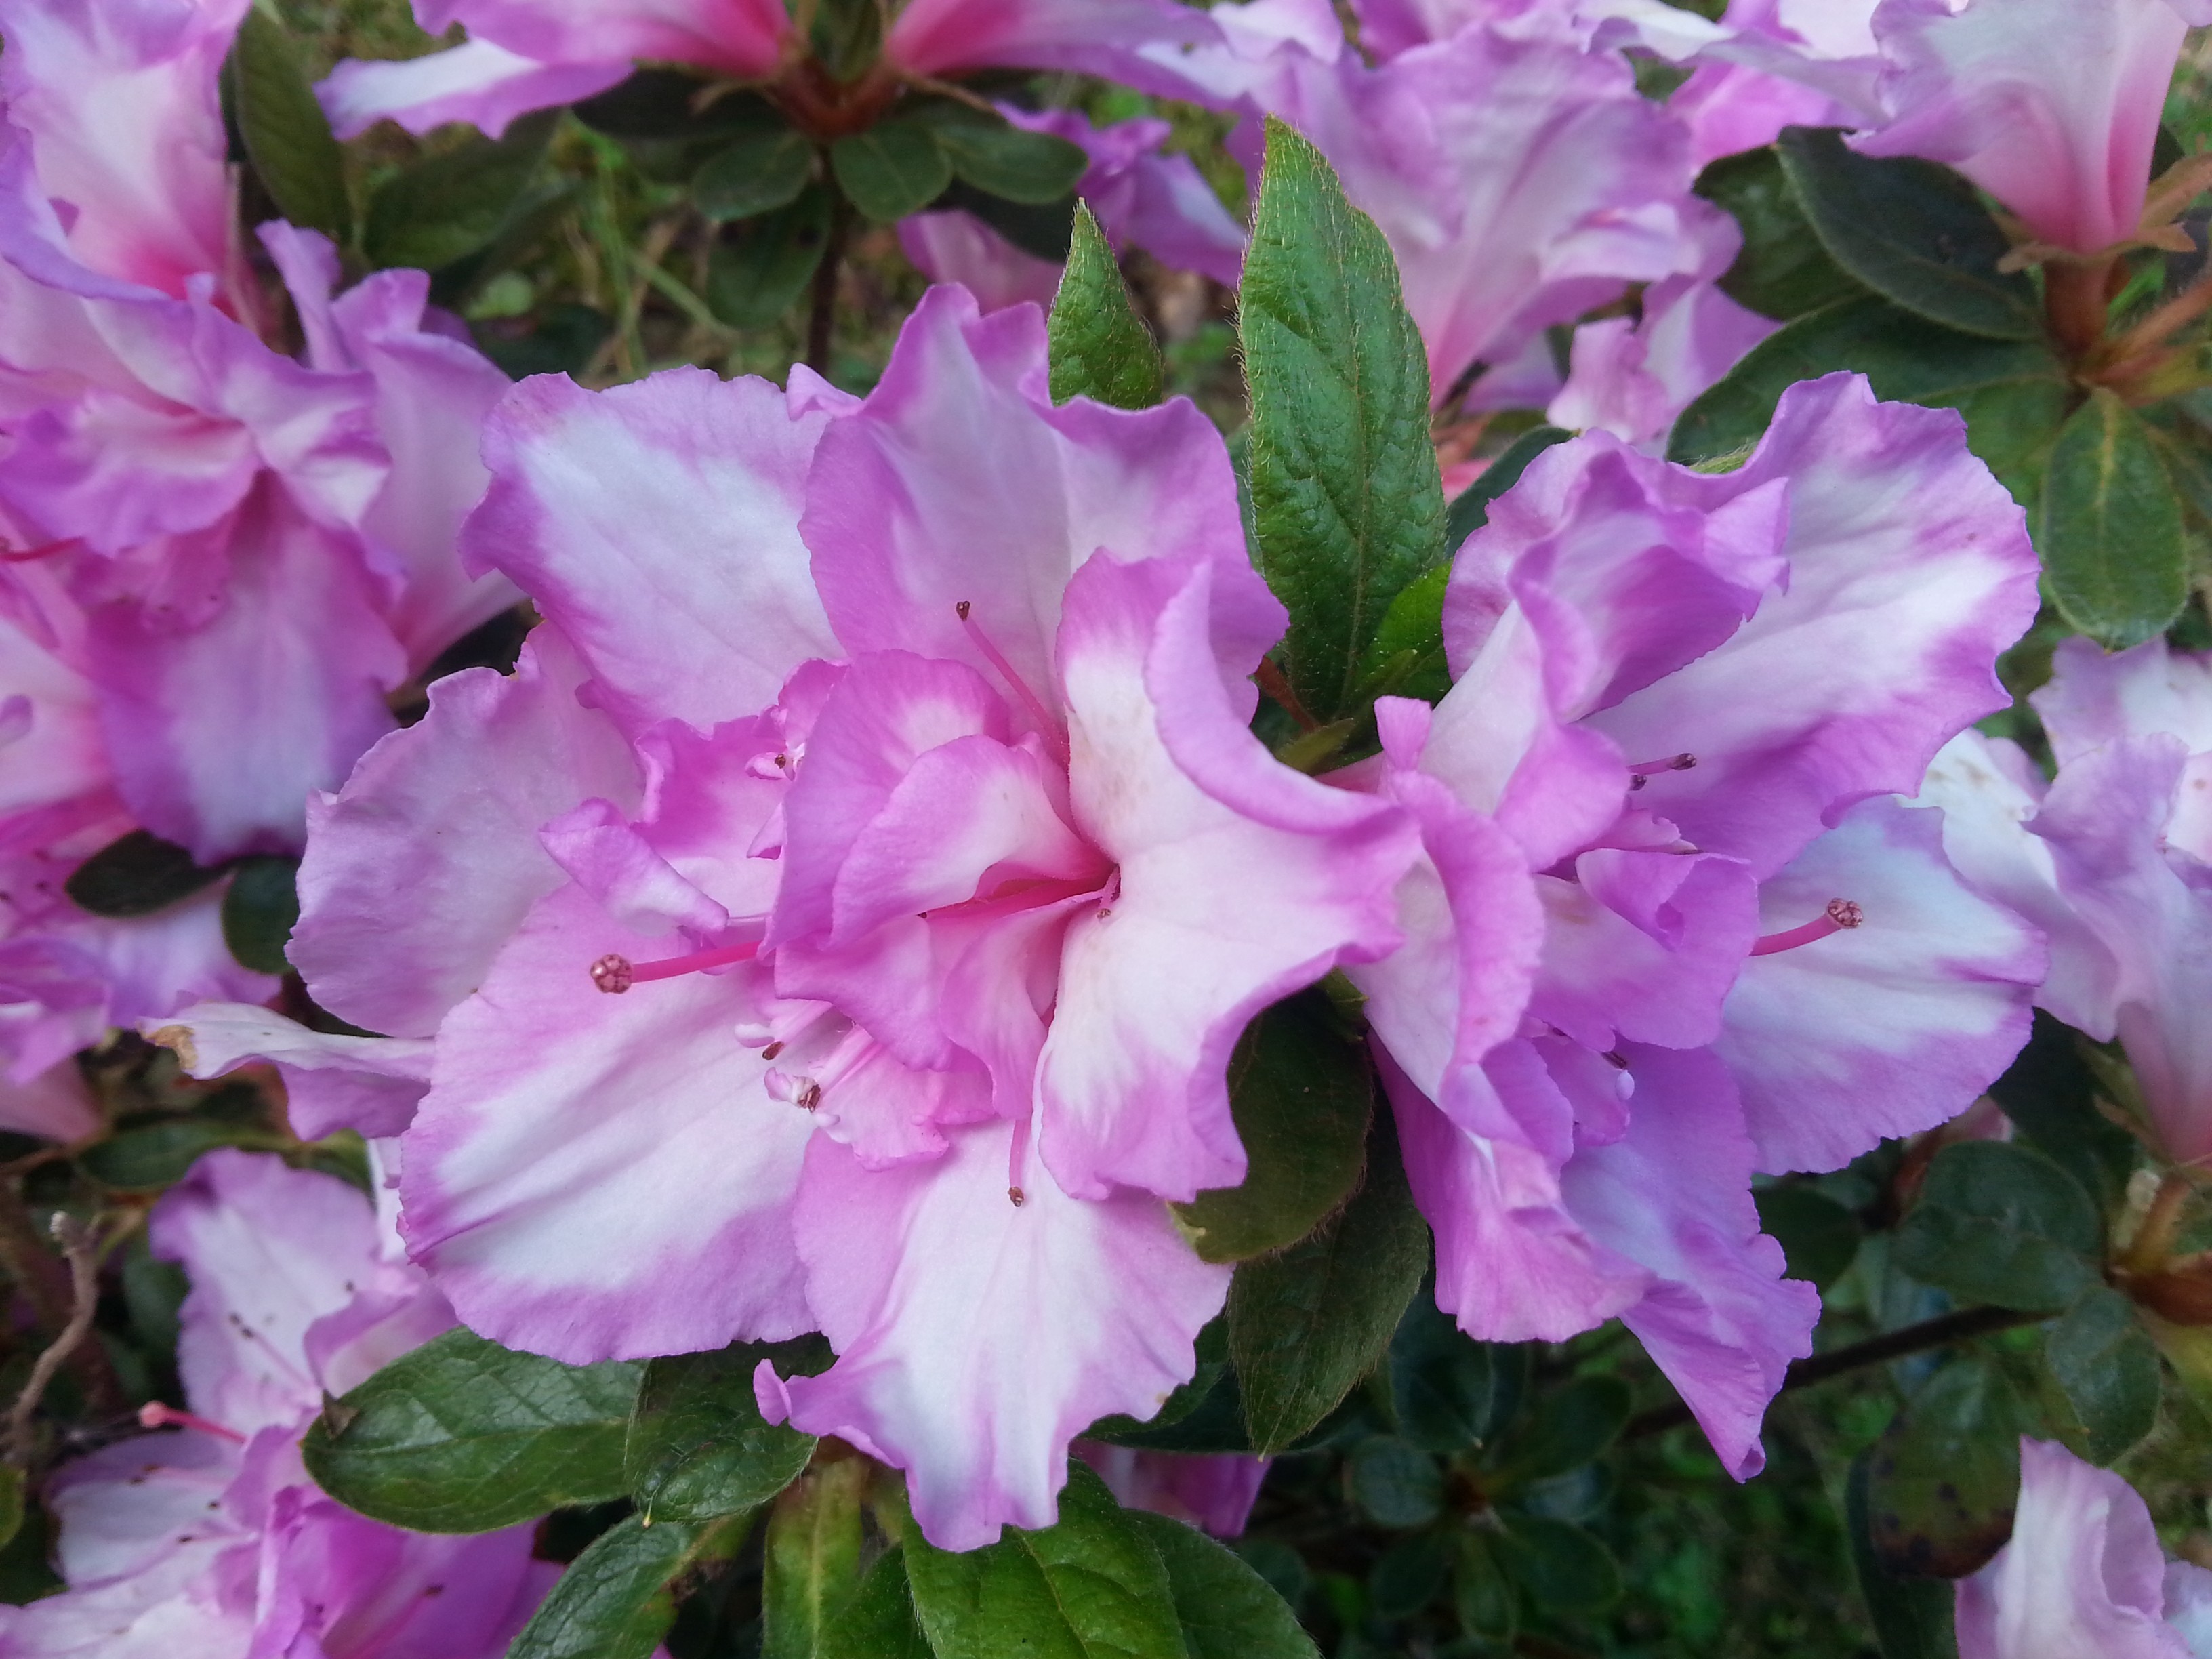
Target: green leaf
(1306, 1325)
(2107, 1368)
(462, 1435)
(135, 876)
(1573, 1423)
(1998, 1223)
(758, 173)
(1448, 1391)
(1407, 657)
(697, 1446)
(757, 270)
(1043, 230)
(880, 1622)
(286, 136)
(447, 206)
(152, 1156)
(613, 1601)
(561, 339)
(1819, 1239)
(664, 106)
(1482, 1595)
(1783, 270)
(1346, 499)
(892, 170)
(1913, 231)
(1470, 508)
(1911, 1616)
(1101, 348)
(11, 1504)
(1395, 1481)
(1563, 1568)
(1206, 1414)
(2050, 1095)
(813, 1561)
(1944, 1474)
(1001, 159)
(2110, 527)
(2013, 393)
(259, 910)
(1227, 1611)
(1302, 1096)
(1093, 1587)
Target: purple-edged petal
(476, 82)
(447, 812)
(1674, 1196)
(739, 38)
(55, 1104)
(1118, 40)
(1888, 1028)
(2095, 698)
(597, 1177)
(953, 246)
(658, 524)
(1212, 1491)
(977, 1337)
(2082, 1575)
(371, 1084)
(1240, 880)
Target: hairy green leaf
(447, 206)
(757, 173)
(1998, 1223)
(286, 136)
(2107, 1368)
(813, 1561)
(2110, 528)
(1227, 1611)
(1101, 348)
(614, 1600)
(880, 1622)
(894, 168)
(1783, 271)
(697, 1446)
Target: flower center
(1841, 916)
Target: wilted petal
(371, 1084)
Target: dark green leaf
(847, 35)
(2050, 1094)
(2107, 1368)
(1783, 271)
(758, 268)
(1407, 656)
(1997, 1223)
(1302, 1096)
(286, 136)
(664, 104)
(1092, 1586)
(1346, 498)
(613, 1601)
(135, 876)
(1395, 1481)
(893, 169)
(560, 340)
(152, 1156)
(1482, 1595)
(813, 1561)
(1911, 1616)
(880, 1622)
(697, 1447)
(1003, 160)
(2110, 528)
(465, 1436)
(1563, 1568)
(1571, 1424)
(1911, 230)
(1408, 1575)
(2013, 393)
(1470, 508)
(11, 1504)
(448, 205)
(1448, 1391)
(259, 910)
(1042, 230)
(1819, 1239)
(1206, 1414)
(1227, 1610)
(1306, 1325)
(1101, 348)
(1944, 1474)
(758, 173)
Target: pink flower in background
(1667, 932)
(1213, 1491)
(2082, 1575)
(929, 862)
(213, 1542)
(1140, 197)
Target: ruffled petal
(371, 1084)
(738, 38)
(476, 82)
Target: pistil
(1046, 723)
(156, 1415)
(1842, 915)
(614, 973)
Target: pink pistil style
(1842, 915)
(614, 973)
(156, 1415)
(1048, 724)
(1642, 772)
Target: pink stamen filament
(615, 974)
(1841, 916)
(1048, 724)
(1016, 1154)
(156, 1415)
(1642, 772)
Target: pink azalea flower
(1668, 932)
(2051, 105)
(214, 1542)
(1213, 1491)
(2082, 1575)
(2109, 859)
(1140, 197)
(929, 862)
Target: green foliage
(1819, 1236)
(286, 135)
(146, 1157)
(1302, 1096)
(2110, 527)
(1227, 1611)
(813, 1561)
(259, 910)
(2107, 1369)
(1346, 499)
(447, 206)
(1572, 1425)
(1002, 160)
(879, 1621)
(1999, 1223)
(135, 876)
(614, 1600)
(1783, 270)
(1101, 348)
(759, 268)
(696, 1446)
(1449, 1392)
(757, 173)
(1394, 1482)
(895, 169)
(465, 1436)
(1943, 1476)
(1911, 1614)
(2050, 1094)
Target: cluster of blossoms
(842, 917)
